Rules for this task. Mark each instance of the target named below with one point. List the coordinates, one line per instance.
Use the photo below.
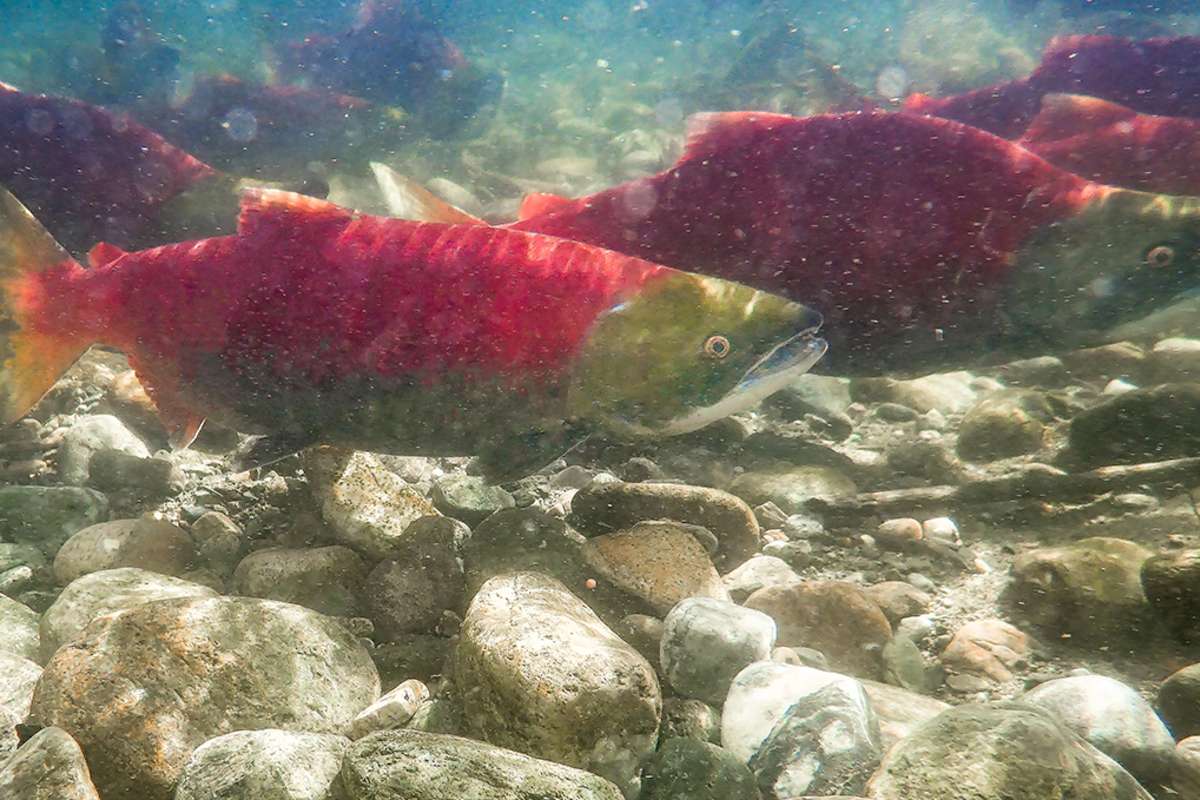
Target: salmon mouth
(786, 362)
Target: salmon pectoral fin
(259, 451)
(509, 458)
(407, 199)
(161, 382)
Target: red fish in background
(1151, 76)
(316, 324)
(96, 175)
(1111, 143)
(919, 239)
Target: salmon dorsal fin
(711, 131)
(1066, 115)
(537, 203)
(268, 209)
(407, 199)
(104, 253)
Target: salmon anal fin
(269, 209)
(711, 131)
(407, 199)
(161, 382)
(104, 253)
(537, 203)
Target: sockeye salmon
(316, 324)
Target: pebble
(827, 741)
(986, 649)
(687, 769)
(391, 710)
(269, 764)
(546, 677)
(899, 533)
(802, 526)
(413, 592)
(219, 541)
(50, 766)
(691, 719)
(971, 750)
(706, 642)
(1117, 387)
(1041, 371)
(1174, 359)
(756, 573)
(1115, 719)
(898, 599)
(469, 498)
(894, 412)
(573, 477)
(326, 579)
(145, 543)
(19, 630)
(366, 506)
(916, 629)
(97, 594)
(1179, 701)
(271, 664)
(1006, 424)
(943, 530)
(610, 507)
(415, 765)
(1171, 582)
(46, 516)
(762, 694)
(835, 617)
(1089, 590)
(87, 436)
(791, 487)
(659, 563)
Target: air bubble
(241, 125)
(40, 121)
(892, 82)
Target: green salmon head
(687, 350)
(1125, 255)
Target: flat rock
(687, 769)
(986, 648)
(1090, 589)
(1114, 718)
(758, 573)
(899, 710)
(325, 579)
(659, 563)
(826, 742)
(1152, 424)
(19, 630)
(546, 677)
(50, 766)
(834, 617)
(414, 765)
(366, 505)
(107, 592)
(948, 392)
(760, 697)
(46, 516)
(144, 543)
(89, 435)
(706, 642)
(17, 678)
(791, 488)
(606, 507)
(898, 599)
(970, 751)
(267, 764)
(139, 692)
(469, 498)
(390, 711)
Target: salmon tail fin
(407, 199)
(537, 203)
(36, 347)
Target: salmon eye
(1161, 256)
(717, 346)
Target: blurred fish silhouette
(313, 324)
(1151, 76)
(96, 175)
(922, 241)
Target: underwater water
(656, 400)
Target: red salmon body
(900, 229)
